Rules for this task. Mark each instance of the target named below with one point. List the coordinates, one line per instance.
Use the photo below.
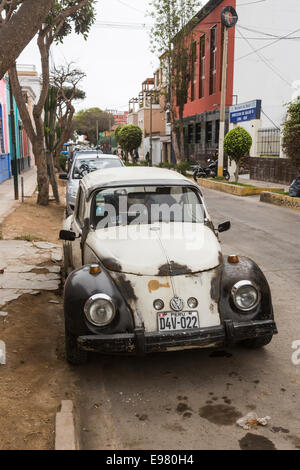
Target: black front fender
(79, 287)
(247, 270)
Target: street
(192, 399)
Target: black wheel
(257, 343)
(226, 175)
(74, 355)
(195, 175)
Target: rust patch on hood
(215, 291)
(174, 269)
(126, 288)
(156, 285)
(112, 265)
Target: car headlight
(100, 310)
(245, 295)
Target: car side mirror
(67, 236)
(63, 176)
(224, 227)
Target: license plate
(178, 321)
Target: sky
(116, 61)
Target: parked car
(146, 271)
(83, 164)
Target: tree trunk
(237, 171)
(42, 174)
(20, 30)
(52, 176)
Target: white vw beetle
(147, 273)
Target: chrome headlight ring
(246, 287)
(100, 305)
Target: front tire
(257, 343)
(226, 175)
(74, 355)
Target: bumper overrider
(140, 342)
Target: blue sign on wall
(245, 111)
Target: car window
(146, 205)
(84, 166)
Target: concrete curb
(235, 190)
(66, 437)
(281, 200)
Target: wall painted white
(254, 79)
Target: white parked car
(84, 163)
(146, 271)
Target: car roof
(94, 156)
(112, 177)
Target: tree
(291, 133)
(237, 145)
(88, 121)
(58, 114)
(117, 131)
(65, 16)
(20, 20)
(172, 39)
(130, 138)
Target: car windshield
(146, 205)
(84, 166)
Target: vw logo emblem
(177, 304)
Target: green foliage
(166, 165)
(80, 21)
(117, 133)
(63, 162)
(291, 134)
(172, 38)
(170, 17)
(130, 137)
(183, 167)
(237, 144)
(85, 123)
(50, 118)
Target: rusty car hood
(157, 250)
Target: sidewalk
(262, 184)
(7, 196)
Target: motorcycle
(211, 171)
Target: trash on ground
(251, 420)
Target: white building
(266, 63)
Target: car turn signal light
(95, 269)
(233, 259)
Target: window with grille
(213, 61)
(209, 133)
(194, 71)
(202, 68)
(190, 133)
(198, 133)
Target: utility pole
(223, 104)
(14, 146)
(229, 18)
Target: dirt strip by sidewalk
(36, 377)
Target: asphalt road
(192, 399)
